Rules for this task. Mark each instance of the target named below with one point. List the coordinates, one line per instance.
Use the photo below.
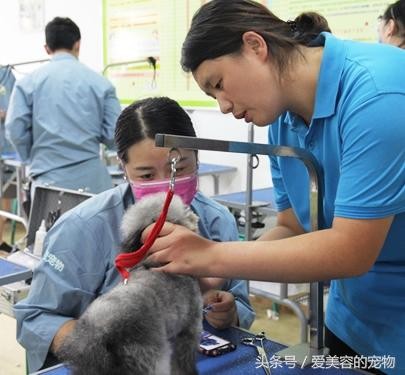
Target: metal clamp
(173, 160)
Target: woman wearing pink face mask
(81, 247)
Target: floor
(12, 355)
(283, 329)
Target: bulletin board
(348, 19)
(136, 29)
(133, 30)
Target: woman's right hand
(182, 251)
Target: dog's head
(146, 211)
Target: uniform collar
(334, 55)
(57, 56)
(128, 197)
(332, 64)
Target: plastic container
(39, 239)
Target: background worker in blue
(7, 81)
(391, 27)
(78, 263)
(343, 101)
(60, 114)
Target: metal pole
(29, 62)
(303, 353)
(249, 188)
(145, 60)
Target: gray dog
(151, 325)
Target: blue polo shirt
(357, 134)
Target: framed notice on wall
(349, 19)
(135, 30)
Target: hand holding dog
(182, 251)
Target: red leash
(125, 261)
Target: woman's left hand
(222, 311)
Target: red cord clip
(125, 261)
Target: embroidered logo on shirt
(54, 262)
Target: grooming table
(244, 360)
(48, 203)
(262, 200)
(116, 174)
(11, 272)
(17, 178)
(214, 170)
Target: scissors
(251, 341)
(207, 309)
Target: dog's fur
(149, 326)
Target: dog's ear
(189, 220)
(143, 213)
(146, 211)
(132, 242)
(182, 215)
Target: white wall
(19, 46)
(213, 124)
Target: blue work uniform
(78, 266)
(357, 135)
(7, 81)
(58, 116)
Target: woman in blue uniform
(391, 28)
(343, 101)
(78, 262)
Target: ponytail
(307, 26)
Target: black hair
(396, 12)
(147, 117)
(61, 33)
(309, 25)
(218, 26)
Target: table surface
(244, 360)
(11, 272)
(212, 169)
(11, 159)
(261, 198)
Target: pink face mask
(185, 187)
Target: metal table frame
(20, 178)
(303, 352)
(215, 171)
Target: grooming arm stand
(303, 352)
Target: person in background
(391, 27)
(7, 81)
(60, 114)
(342, 101)
(80, 249)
